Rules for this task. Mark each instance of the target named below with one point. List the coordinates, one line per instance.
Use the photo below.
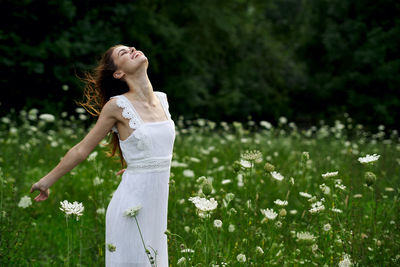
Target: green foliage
(224, 60)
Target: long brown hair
(100, 85)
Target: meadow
(273, 195)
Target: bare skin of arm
(80, 151)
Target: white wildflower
(231, 228)
(368, 159)
(132, 212)
(305, 236)
(204, 204)
(92, 156)
(100, 211)
(317, 207)
(72, 208)
(181, 261)
(241, 257)
(259, 250)
(25, 202)
(251, 155)
(330, 174)
(345, 262)
(269, 213)
(187, 250)
(245, 163)
(47, 117)
(217, 223)
(327, 227)
(97, 181)
(281, 202)
(188, 173)
(277, 176)
(336, 210)
(303, 194)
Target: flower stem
(140, 232)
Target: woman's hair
(100, 85)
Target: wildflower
(336, 210)
(293, 211)
(340, 186)
(231, 228)
(181, 261)
(357, 196)
(277, 176)
(368, 159)
(259, 250)
(204, 204)
(241, 258)
(281, 202)
(111, 247)
(327, 227)
(25, 202)
(282, 120)
(47, 117)
(278, 224)
(245, 163)
(266, 124)
(100, 211)
(269, 167)
(370, 178)
(269, 213)
(72, 208)
(317, 207)
(303, 194)
(92, 156)
(132, 212)
(97, 181)
(80, 110)
(251, 155)
(314, 248)
(217, 223)
(305, 236)
(282, 213)
(345, 262)
(226, 181)
(325, 189)
(188, 173)
(330, 174)
(187, 250)
(305, 156)
(291, 180)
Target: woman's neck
(140, 87)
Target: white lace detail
(154, 164)
(127, 112)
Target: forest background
(220, 60)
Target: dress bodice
(149, 147)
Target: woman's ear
(118, 74)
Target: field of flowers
(240, 194)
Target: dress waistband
(153, 164)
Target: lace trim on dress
(150, 165)
(127, 112)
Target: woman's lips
(136, 54)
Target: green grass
(367, 229)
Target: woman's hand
(120, 172)
(44, 191)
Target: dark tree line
(222, 60)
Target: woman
(144, 133)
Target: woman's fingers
(120, 172)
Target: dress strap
(128, 112)
(164, 102)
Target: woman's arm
(80, 151)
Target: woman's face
(128, 60)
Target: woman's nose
(133, 48)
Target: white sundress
(148, 154)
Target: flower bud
(207, 188)
(236, 166)
(282, 213)
(305, 156)
(269, 167)
(370, 178)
